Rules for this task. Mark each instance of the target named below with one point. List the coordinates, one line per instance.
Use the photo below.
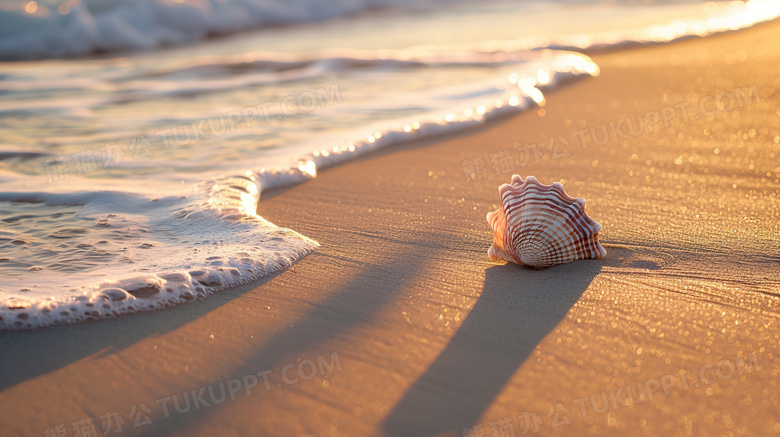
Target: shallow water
(130, 181)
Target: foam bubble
(95, 255)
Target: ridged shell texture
(541, 226)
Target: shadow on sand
(41, 351)
(518, 307)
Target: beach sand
(431, 336)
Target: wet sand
(401, 325)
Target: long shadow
(517, 309)
(27, 354)
(353, 304)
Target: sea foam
(108, 253)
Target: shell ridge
(540, 225)
(545, 221)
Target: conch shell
(541, 226)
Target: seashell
(541, 226)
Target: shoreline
(434, 337)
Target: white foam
(132, 253)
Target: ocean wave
(95, 26)
(195, 77)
